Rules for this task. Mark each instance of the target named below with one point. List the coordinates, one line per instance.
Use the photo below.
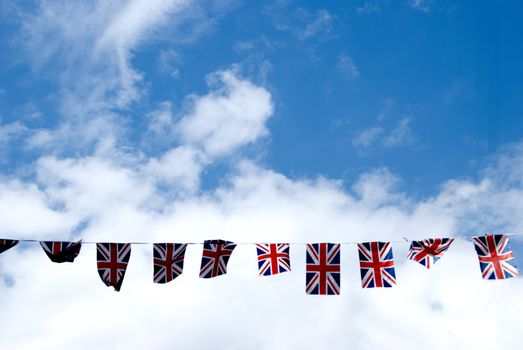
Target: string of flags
(323, 268)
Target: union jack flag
(376, 265)
(168, 261)
(6, 244)
(494, 257)
(112, 260)
(60, 252)
(323, 269)
(428, 251)
(216, 254)
(273, 258)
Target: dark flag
(168, 261)
(6, 244)
(216, 254)
(112, 260)
(60, 252)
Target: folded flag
(6, 244)
(495, 257)
(112, 260)
(323, 269)
(60, 252)
(216, 254)
(428, 251)
(168, 261)
(273, 258)
(376, 265)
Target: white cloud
(88, 49)
(26, 211)
(232, 115)
(9, 133)
(161, 120)
(346, 65)
(180, 168)
(258, 204)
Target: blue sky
(428, 92)
(276, 121)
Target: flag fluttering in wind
(273, 258)
(215, 256)
(60, 252)
(376, 265)
(428, 251)
(495, 257)
(6, 244)
(323, 269)
(168, 261)
(112, 260)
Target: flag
(216, 254)
(428, 251)
(323, 269)
(6, 244)
(112, 260)
(494, 256)
(273, 258)
(60, 252)
(376, 265)
(168, 261)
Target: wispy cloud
(320, 25)
(169, 62)
(9, 133)
(401, 134)
(345, 65)
(367, 138)
(422, 5)
(302, 23)
(93, 44)
(381, 137)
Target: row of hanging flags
(322, 261)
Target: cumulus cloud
(233, 115)
(258, 204)
(180, 168)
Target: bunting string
(323, 262)
(404, 240)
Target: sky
(274, 121)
